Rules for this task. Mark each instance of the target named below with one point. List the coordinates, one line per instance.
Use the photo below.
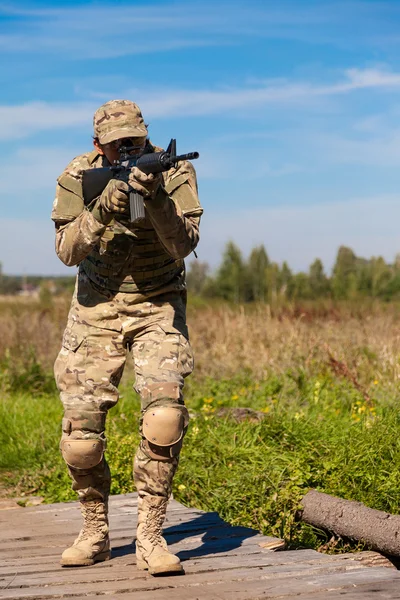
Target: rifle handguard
(158, 162)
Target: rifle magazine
(136, 207)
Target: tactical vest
(129, 257)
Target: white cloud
(362, 78)
(24, 120)
(20, 121)
(207, 102)
(379, 150)
(90, 31)
(83, 32)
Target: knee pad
(78, 451)
(163, 429)
(82, 454)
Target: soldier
(130, 296)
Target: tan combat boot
(151, 548)
(93, 544)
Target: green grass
(317, 433)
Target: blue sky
(294, 107)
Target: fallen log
(352, 520)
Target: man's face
(112, 150)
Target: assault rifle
(95, 180)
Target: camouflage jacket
(145, 258)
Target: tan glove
(145, 185)
(113, 200)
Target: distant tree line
(258, 279)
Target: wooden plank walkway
(221, 562)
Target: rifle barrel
(188, 156)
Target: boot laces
(94, 517)
(154, 523)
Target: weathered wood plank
(221, 562)
(240, 551)
(262, 559)
(46, 524)
(185, 548)
(239, 585)
(118, 503)
(71, 510)
(173, 533)
(137, 580)
(260, 590)
(118, 568)
(369, 558)
(115, 501)
(128, 574)
(387, 590)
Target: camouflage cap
(118, 119)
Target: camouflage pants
(101, 332)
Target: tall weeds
(258, 339)
(227, 340)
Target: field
(321, 382)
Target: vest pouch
(182, 186)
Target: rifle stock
(94, 181)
